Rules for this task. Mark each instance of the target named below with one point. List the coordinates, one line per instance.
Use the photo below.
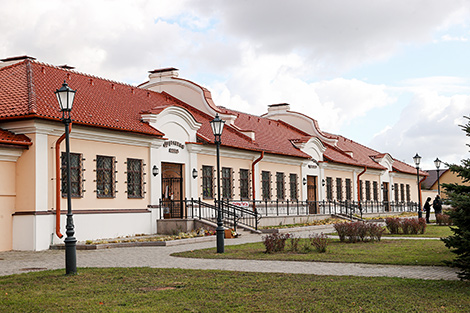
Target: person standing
(437, 205)
(427, 209)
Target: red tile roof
(9, 138)
(27, 91)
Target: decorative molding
(10, 154)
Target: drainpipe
(57, 182)
(359, 184)
(253, 176)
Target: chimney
(278, 108)
(13, 60)
(163, 73)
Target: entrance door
(312, 194)
(386, 197)
(172, 190)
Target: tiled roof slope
(27, 90)
(270, 136)
(10, 138)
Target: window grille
(75, 174)
(375, 187)
(226, 183)
(348, 189)
(266, 185)
(367, 190)
(293, 183)
(339, 189)
(134, 178)
(207, 182)
(244, 184)
(280, 186)
(329, 188)
(105, 183)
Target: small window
(134, 178)
(367, 190)
(280, 186)
(244, 184)
(293, 186)
(266, 185)
(105, 183)
(408, 193)
(207, 182)
(226, 183)
(396, 192)
(339, 189)
(329, 188)
(402, 192)
(75, 174)
(348, 189)
(375, 187)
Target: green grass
(175, 290)
(392, 251)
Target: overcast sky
(392, 75)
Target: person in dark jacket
(437, 205)
(427, 209)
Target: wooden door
(312, 194)
(172, 190)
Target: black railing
(249, 212)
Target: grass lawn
(175, 290)
(392, 251)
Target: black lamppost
(217, 127)
(437, 163)
(65, 96)
(417, 160)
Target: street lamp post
(65, 96)
(437, 163)
(217, 127)
(417, 160)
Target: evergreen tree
(459, 198)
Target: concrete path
(13, 262)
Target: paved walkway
(13, 262)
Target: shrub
(293, 243)
(275, 242)
(422, 225)
(375, 231)
(319, 241)
(443, 219)
(341, 229)
(393, 224)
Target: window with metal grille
(367, 190)
(207, 182)
(408, 193)
(293, 186)
(134, 178)
(402, 192)
(266, 184)
(280, 186)
(339, 189)
(348, 189)
(226, 183)
(375, 193)
(105, 184)
(396, 191)
(75, 174)
(329, 188)
(244, 184)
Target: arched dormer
(175, 122)
(301, 121)
(187, 91)
(385, 160)
(312, 146)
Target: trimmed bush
(319, 241)
(275, 242)
(443, 219)
(359, 231)
(375, 231)
(393, 224)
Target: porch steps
(347, 217)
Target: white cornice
(80, 132)
(10, 154)
(182, 113)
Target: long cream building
(133, 147)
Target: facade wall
(7, 203)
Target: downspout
(57, 182)
(359, 184)
(253, 175)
